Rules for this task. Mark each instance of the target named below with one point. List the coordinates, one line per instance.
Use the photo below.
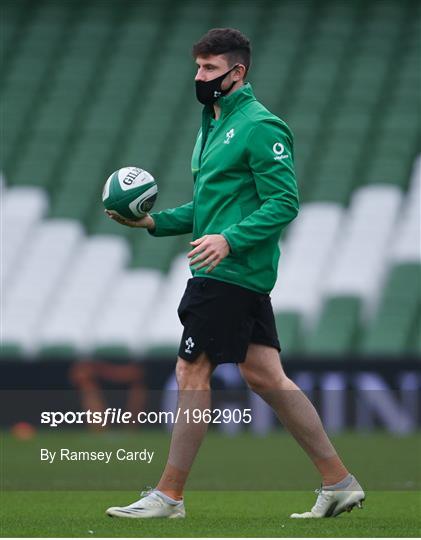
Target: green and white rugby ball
(131, 192)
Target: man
(244, 196)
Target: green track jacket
(244, 189)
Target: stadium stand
(96, 265)
(309, 245)
(37, 277)
(88, 87)
(395, 320)
(30, 204)
(133, 295)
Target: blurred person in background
(92, 379)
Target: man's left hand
(210, 249)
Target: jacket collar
(228, 103)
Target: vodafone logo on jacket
(278, 150)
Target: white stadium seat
(125, 315)
(48, 251)
(406, 245)
(305, 258)
(62, 288)
(163, 327)
(358, 266)
(83, 292)
(21, 208)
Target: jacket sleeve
(271, 161)
(173, 221)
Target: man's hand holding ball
(145, 222)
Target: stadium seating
(355, 269)
(82, 294)
(30, 204)
(127, 313)
(164, 337)
(88, 87)
(397, 314)
(302, 265)
(37, 278)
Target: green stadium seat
(11, 350)
(388, 169)
(79, 192)
(58, 112)
(344, 150)
(334, 183)
(76, 201)
(165, 351)
(11, 21)
(99, 223)
(36, 165)
(151, 252)
(337, 328)
(416, 341)
(81, 99)
(288, 326)
(396, 317)
(350, 124)
(333, 180)
(64, 351)
(302, 152)
(320, 71)
(306, 96)
(401, 121)
(363, 94)
(15, 108)
(116, 353)
(303, 122)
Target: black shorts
(222, 319)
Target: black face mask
(207, 92)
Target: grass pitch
(242, 486)
(209, 514)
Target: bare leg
(193, 393)
(264, 374)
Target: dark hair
(227, 41)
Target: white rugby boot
(332, 502)
(152, 504)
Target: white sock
(167, 499)
(343, 484)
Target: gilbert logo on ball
(131, 192)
